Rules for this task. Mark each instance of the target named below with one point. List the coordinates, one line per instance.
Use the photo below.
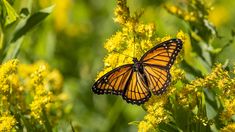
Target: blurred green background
(71, 39)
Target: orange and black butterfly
(151, 74)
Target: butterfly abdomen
(138, 67)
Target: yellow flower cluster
(7, 70)
(7, 122)
(26, 87)
(229, 111)
(122, 12)
(196, 10)
(41, 81)
(189, 95)
(134, 39)
(7, 83)
(229, 128)
(42, 96)
(187, 16)
(218, 79)
(155, 113)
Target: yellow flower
(121, 12)
(145, 127)
(61, 16)
(7, 69)
(25, 70)
(115, 42)
(7, 122)
(155, 112)
(181, 35)
(60, 13)
(55, 79)
(229, 109)
(173, 9)
(40, 102)
(159, 40)
(220, 19)
(177, 73)
(39, 75)
(229, 128)
(187, 16)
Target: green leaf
(134, 123)
(168, 127)
(11, 14)
(32, 21)
(210, 111)
(13, 50)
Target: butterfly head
(137, 66)
(135, 60)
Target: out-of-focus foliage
(70, 36)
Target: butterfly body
(135, 82)
(137, 66)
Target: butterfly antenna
(142, 49)
(122, 54)
(134, 54)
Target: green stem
(47, 123)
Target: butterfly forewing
(136, 91)
(114, 81)
(164, 54)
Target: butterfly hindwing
(136, 91)
(114, 81)
(158, 79)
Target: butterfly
(136, 82)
